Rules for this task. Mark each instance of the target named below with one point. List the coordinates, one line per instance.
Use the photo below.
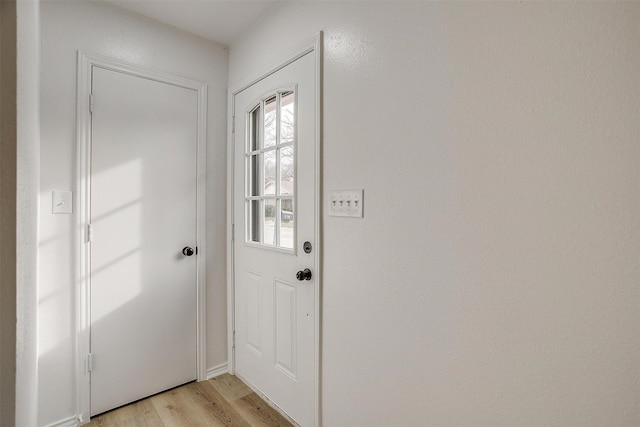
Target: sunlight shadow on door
(116, 229)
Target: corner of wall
(28, 184)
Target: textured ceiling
(218, 20)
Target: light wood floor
(222, 401)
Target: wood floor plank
(213, 407)
(200, 408)
(146, 415)
(173, 411)
(230, 387)
(258, 413)
(224, 401)
(138, 414)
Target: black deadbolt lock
(307, 247)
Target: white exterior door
(274, 215)
(142, 215)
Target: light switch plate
(62, 202)
(346, 203)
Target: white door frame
(314, 44)
(86, 61)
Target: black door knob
(188, 251)
(304, 274)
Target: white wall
(19, 172)
(28, 183)
(494, 279)
(104, 29)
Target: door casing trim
(313, 44)
(85, 62)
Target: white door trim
(86, 61)
(314, 44)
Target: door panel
(274, 214)
(285, 327)
(142, 214)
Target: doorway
(275, 286)
(141, 225)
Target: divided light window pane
(287, 222)
(287, 174)
(269, 222)
(254, 129)
(270, 192)
(253, 214)
(270, 122)
(270, 173)
(255, 165)
(287, 124)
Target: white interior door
(274, 215)
(142, 215)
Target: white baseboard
(67, 422)
(216, 371)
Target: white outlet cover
(62, 202)
(348, 203)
